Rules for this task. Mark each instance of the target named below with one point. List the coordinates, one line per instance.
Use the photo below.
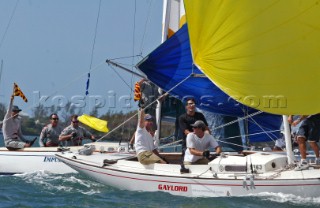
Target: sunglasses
(55, 119)
(191, 104)
(75, 121)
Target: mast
(172, 20)
(287, 137)
(165, 23)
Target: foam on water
(68, 183)
(284, 198)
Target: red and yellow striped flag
(137, 92)
(17, 92)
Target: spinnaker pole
(126, 69)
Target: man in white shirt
(146, 151)
(11, 128)
(198, 143)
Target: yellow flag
(18, 92)
(95, 123)
(137, 92)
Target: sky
(46, 48)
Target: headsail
(264, 54)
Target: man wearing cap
(73, 134)
(188, 118)
(198, 143)
(13, 137)
(144, 143)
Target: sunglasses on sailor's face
(75, 121)
(55, 119)
(190, 104)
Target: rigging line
(133, 44)
(124, 57)
(132, 62)
(156, 100)
(92, 50)
(134, 28)
(252, 134)
(230, 143)
(123, 64)
(121, 78)
(263, 131)
(69, 83)
(237, 120)
(145, 28)
(8, 25)
(169, 144)
(1, 67)
(75, 79)
(133, 47)
(95, 34)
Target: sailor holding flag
(13, 137)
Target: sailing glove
(131, 146)
(206, 153)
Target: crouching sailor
(144, 144)
(198, 143)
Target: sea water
(42, 189)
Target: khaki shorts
(147, 158)
(202, 161)
(14, 144)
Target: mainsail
(264, 55)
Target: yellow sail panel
(265, 54)
(95, 123)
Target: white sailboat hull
(201, 182)
(40, 159)
(14, 162)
